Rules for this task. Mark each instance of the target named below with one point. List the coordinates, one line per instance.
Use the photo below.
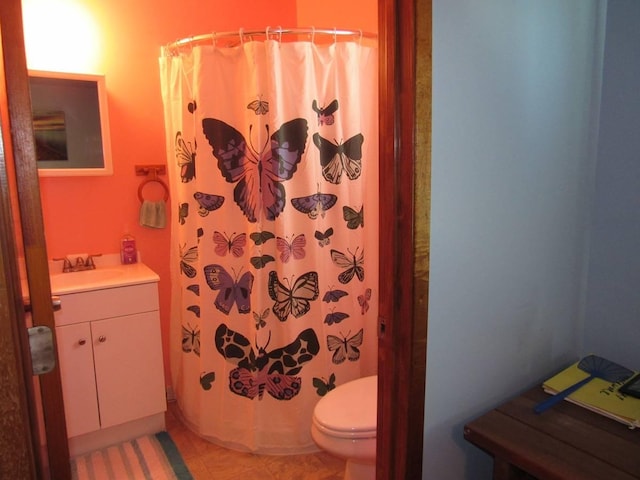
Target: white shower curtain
(273, 164)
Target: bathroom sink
(80, 280)
(100, 278)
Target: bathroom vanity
(110, 354)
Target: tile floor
(207, 461)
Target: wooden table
(566, 442)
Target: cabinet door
(78, 378)
(129, 369)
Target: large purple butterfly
(274, 371)
(231, 291)
(258, 191)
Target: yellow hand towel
(153, 214)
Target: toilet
(344, 425)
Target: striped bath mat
(153, 457)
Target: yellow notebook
(597, 395)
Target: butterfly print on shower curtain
(295, 301)
(258, 175)
(259, 106)
(335, 317)
(353, 266)
(260, 238)
(315, 205)
(231, 291)
(187, 258)
(323, 386)
(233, 244)
(325, 114)
(345, 348)
(191, 339)
(354, 219)
(334, 295)
(338, 158)
(186, 157)
(206, 379)
(324, 238)
(274, 371)
(261, 261)
(293, 249)
(208, 202)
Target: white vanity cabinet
(110, 355)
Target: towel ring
(148, 180)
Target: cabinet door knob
(82, 341)
(102, 339)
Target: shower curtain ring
(241, 35)
(313, 34)
(335, 35)
(266, 32)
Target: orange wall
(90, 214)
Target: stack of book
(597, 395)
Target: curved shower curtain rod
(241, 34)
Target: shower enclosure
(273, 163)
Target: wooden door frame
(405, 173)
(21, 155)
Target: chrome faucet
(80, 263)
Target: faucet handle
(66, 266)
(89, 261)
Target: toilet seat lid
(349, 409)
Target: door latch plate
(43, 358)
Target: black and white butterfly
(296, 300)
(274, 371)
(353, 218)
(191, 339)
(325, 114)
(231, 291)
(338, 158)
(353, 266)
(186, 158)
(345, 348)
(186, 259)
